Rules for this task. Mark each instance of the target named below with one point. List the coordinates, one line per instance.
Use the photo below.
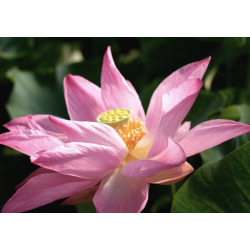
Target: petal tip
(68, 76)
(108, 49)
(52, 118)
(68, 79)
(208, 59)
(55, 120)
(33, 159)
(108, 58)
(6, 125)
(196, 83)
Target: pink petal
(144, 168)
(44, 189)
(33, 124)
(92, 132)
(84, 160)
(176, 103)
(211, 133)
(120, 194)
(82, 197)
(116, 91)
(33, 174)
(173, 175)
(179, 93)
(182, 131)
(43, 121)
(132, 87)
(37, 122)
(193, 70)
(141, 112)
(141, 150)
(170, 157)
(62, 137)
(83, 99)
(28, 141)
(166, 151)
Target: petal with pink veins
(38, 171)
(37, 122)
(82, 197)
(182, 131)
(44, 189)
(62, 137)
(83, 99)
(116, 91)
(43, 121)
(171, 157)
(173, 175)
(29, 142)
(167, 151)
(211, 133)
(84, 160)
(176, 109)
(121, 194)
(144, 168)
(141, 112)
(179, 93)
(193, 70)
(92, 132)
(33, 124)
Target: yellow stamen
(132, 132)
(130, 129)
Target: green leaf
(218, 152)
(220, 186)
(244, 118)
(235, 95)
(228, 113)
(34, 94)
(86, 208)
(15, 47)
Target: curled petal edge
(171, 176)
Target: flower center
(132, 132)
(130, 129)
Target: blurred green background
(31, 82)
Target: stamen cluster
(133, 132)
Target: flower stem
(173, 189)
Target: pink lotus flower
(83, 160)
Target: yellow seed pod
(115, 117)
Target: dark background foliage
(31, 78)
